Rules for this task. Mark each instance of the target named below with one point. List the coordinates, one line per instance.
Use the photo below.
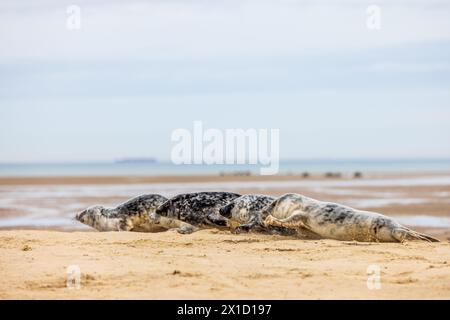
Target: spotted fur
(194, 210)
(247, 211)
(335, 221)
(132, 215)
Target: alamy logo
(73, 280)
(73, 21)
(374, 277)
(373, 21)
(229, 146)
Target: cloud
(212, 29)
(311, 68)
(409, 67)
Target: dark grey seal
(187, 212)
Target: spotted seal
(132, 215)
(248, 212)
(187, 212)
(335, 221)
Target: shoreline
(114, 179)
(421, 199)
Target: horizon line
(155, 161)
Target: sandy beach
(39, 241)
(214, 264)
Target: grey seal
(190, 211)
(335, 221)
(248, 212)
(132, 215)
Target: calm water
(155, 169)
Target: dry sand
(213, 264)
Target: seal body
(133, 215)
(246, 208)
(194, 210)
(248, 212)
(335, 221)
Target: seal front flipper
(187, 228)
(174, 224)
(216, 219)
(294, 221)
(291, 226)
(243, 228)
(254, 222)
(125, 224)
(297, 222)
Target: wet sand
(51, 203)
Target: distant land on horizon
(136, 160)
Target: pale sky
(137, 70)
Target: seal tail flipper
(403, 234)
(424, 237)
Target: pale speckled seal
(187, 212)
(335, 221)
(132, 215)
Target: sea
(142, 168)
